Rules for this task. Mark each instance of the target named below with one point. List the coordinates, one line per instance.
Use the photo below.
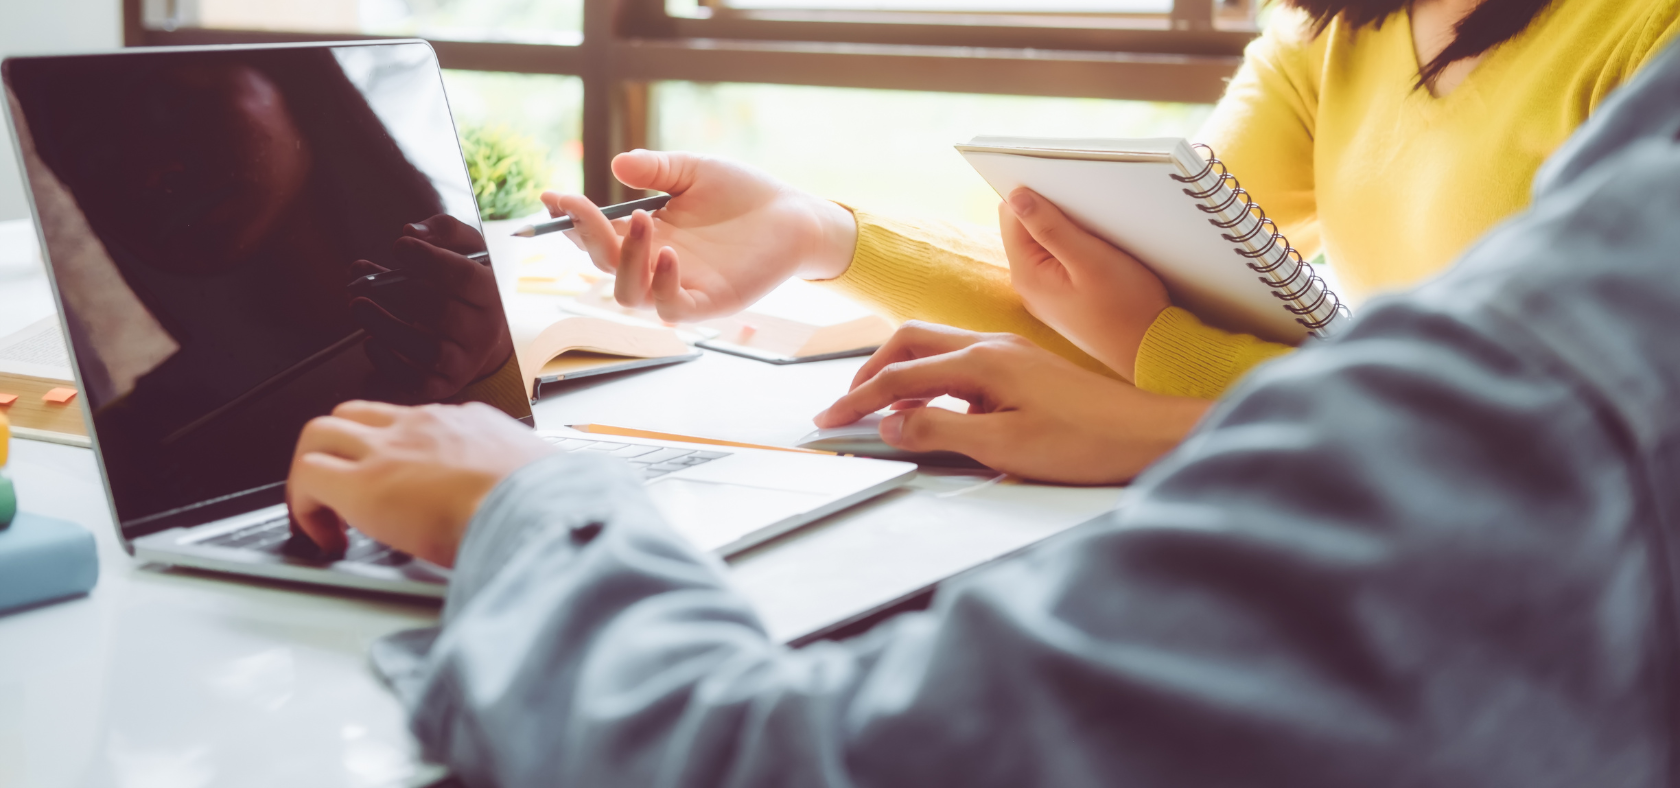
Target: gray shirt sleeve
(1432, 552)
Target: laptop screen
(240, 240)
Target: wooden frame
(627, 44)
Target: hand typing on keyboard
(276, 536)
(409, 478)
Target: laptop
(207, 214)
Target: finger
(635, 262)
(447, 232)
(316, 478)
(955, 374)
(336, 436)
(591, 226)
(410, 340)
(938, 429)
(1069, 243)
(373, 414)
(620, 226)
(1029, 261)
(672, 172)
(551, 201)
(577, 241)
(913, 340)
(674, 302)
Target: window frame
(627, 45)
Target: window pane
(884, 149)
(545, 108)
(525, 21)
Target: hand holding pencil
(727, 235)
(618, 211)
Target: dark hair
(1492, 23)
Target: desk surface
(173, 678)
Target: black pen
(618, 211)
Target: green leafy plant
(508, 170)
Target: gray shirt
(1437, 551)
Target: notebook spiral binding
(1281, 268)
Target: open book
(795, 323)
(1182, 215)
(574, 347)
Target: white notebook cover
(1124, 192)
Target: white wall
(30, 27)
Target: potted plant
(509, 171)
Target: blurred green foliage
(509, 170)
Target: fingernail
(892, 429)
(418, 228)
(636, 230)
(1022, 201)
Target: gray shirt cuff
(511, 517)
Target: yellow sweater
(1329, 136)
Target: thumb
(669, 172)
(1071, 244)
(939, 429)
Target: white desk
(174, 679)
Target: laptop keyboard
(652, 461)
(275, 537)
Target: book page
(37, 350)
(593, 335)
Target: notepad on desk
(1181, 214)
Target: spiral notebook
(1183, 215)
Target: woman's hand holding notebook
(1183, 216)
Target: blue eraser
(45, 560)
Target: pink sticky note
(7, 399)
(59, 395)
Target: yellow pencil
(626, 432)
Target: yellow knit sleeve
(1183, 357)
(942, 273)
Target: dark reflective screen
(242, 240)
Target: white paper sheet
(37, 351)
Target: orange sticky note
(7, 399)
(59, 395)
